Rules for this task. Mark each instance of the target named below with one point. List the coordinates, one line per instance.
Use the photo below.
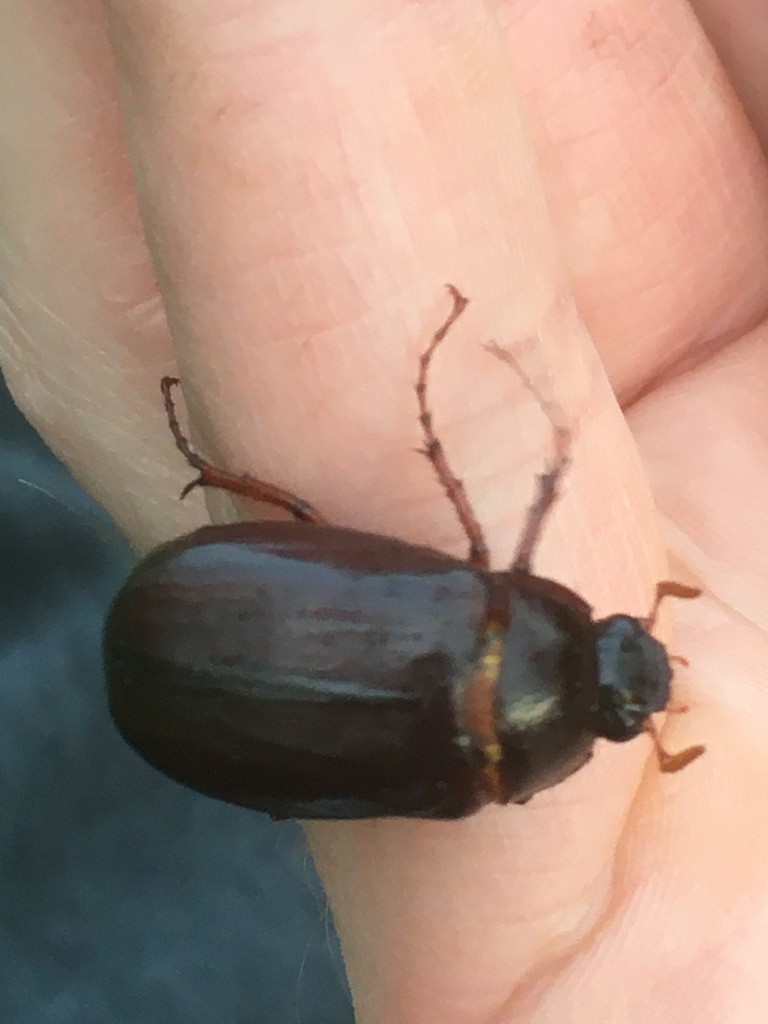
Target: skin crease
(308, 175)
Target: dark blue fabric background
(124, 899)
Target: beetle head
(633, 674)
(633, 683)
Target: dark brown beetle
(312, 671)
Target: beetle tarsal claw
(669, 763)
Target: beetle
(313, 671)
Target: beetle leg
(433, 449)
(547, 493)
(210, 476)
(668, 588)
(671, 762)
(548, 482)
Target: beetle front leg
(433, 449)
(548, 482)
(547, 494)
(211, 476)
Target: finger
(323, 298)
(655, 177)
(309, 176)
(695, 855)
(83, 330)
(704, 441)
(740, 36)
(325, 337)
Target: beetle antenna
(667, 762)
(668, 588)
(549, 481)
(433, 448)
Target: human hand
(308, 177)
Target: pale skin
(308, 176)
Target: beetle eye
(633, 677)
